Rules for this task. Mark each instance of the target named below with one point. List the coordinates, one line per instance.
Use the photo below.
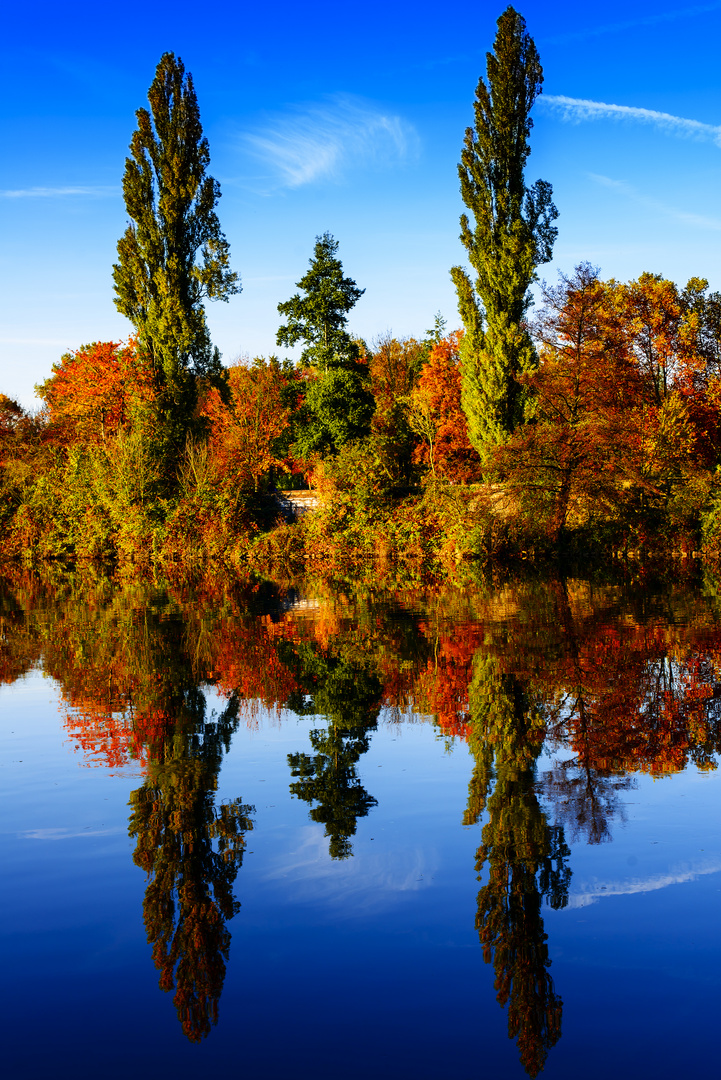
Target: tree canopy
(319, 318)
(173, 254)
(338, 404)
(511, 235)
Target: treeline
(620, 444)
(594, 422)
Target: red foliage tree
(89, 395)
(244, 433)
(435, 413)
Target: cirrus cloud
(684, 216)
(96, 191)
(322, 141)
(577, 110)
(655, 19)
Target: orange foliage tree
(435, 413)
(394, 368)
(571, 449)
(660, 336)
(90, 393)
(245, 433)
(613, 421)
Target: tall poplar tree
(173, 255)
(511, 236)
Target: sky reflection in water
(341, 832)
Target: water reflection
(131, 674)
(525, 857)
(191, 851)
(562, 691)
(347, 695)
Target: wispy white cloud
(376, 882)
(630, 192)
(57, 192)
(596, 890)
(579, 109)
(66, 834)
(322, 141)
(631, 24)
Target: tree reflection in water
(526, 857)
(131, 668)
(348, 695)
(191, 851)
(610, 684)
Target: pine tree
(173, 255)
(338, 403)
(319, 318)
(512, 235)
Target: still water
(306, 833)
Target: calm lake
(315, 834)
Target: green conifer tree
(338, 402)
(512, 235)
(173, 255)
(319, 318)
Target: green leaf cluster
(319, 318)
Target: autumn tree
(671, 335)
(338, 404)
(173, 255)
(660, 337)
(512, 234)
(436, 415)
(395, 365)
(90, 394)
(622, 412)
(245, 433)
(574, 450)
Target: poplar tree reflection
(132, 672)
(191, 851)
(526, 857)
(348, 695)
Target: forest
(582, 417)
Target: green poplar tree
(338, 402)
(173, 255)
(512, 235)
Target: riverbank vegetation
(588, 423)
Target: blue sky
(348, 119)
